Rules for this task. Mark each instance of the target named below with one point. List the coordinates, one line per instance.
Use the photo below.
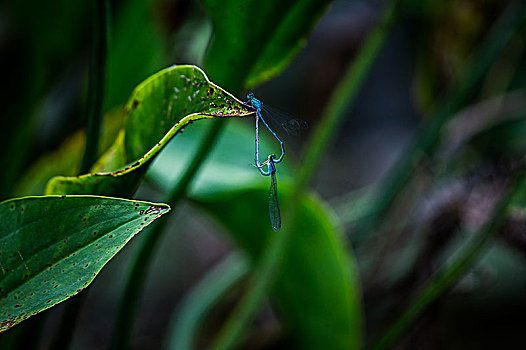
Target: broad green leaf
(317, 290)
(159, 108)
(258, 38)
(51, 248)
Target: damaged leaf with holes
(159, 108)
(51, 248)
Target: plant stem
(96, 84)
(64, 334)
(127, 311)
(343, 98)
(202, 298)
(443, 281)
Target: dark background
(44, 58)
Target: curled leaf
(159, 108)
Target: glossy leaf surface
(51, 248)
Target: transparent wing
(273, 204)
(284, 124)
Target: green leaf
(258, 38)
(51, 248)
(159, 108)
(317, 289)
(136, 51)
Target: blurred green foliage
(468, 77)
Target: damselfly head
(254, 102)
